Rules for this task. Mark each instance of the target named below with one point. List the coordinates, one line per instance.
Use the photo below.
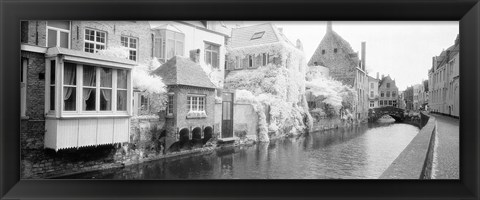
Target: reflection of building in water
(226, 166)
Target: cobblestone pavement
(446, 157)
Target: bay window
(58, 34)
(87, 89)
(95, 40)
(168, 43)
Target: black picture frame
(465, 11)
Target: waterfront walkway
(446, 155)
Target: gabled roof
(183, 71)
(242, 37)
(341, 43)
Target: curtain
(69, 79)
(122, 79)
(107, 96)
(121, 100)
(105, 77)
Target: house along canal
(361, 152)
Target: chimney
(377, 75)
(329, 26)
(195, 55)
(299, 45)
(363, 55)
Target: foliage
(334, 94)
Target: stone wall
(145, 144)
(415, 161)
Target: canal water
(361, 152)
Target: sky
(403, 50)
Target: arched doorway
(197, 137)
(207, 134)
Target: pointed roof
(183, 71)
(260, 34)
(341, 43)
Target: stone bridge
(394, 112)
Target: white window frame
(130, 49)
(58, 34)
(95, 40)
(196, 106)
(251, 61)
(211, 53)
(238, 63)
(59, 111)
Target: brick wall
(116, 29)
(36, 33)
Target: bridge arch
(394, 112)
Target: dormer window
(257, 35)
(335, 50)
(323, 51)
(168, 43)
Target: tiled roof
(242, 37)
(183, 71)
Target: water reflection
(351, 153)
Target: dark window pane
(52, 72)
(64, 39)
(70, 74)
(69, 98)
(52, 97)
(121, 100)
(105, 99)
(105, 77)
(122, 79)
(89, 75)
(89, 99)
(52, 38)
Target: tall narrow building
(344, 65)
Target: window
(372, 104)
(394, 103)
(131, 44)
(195, 103)
(212, 54)
(170, 105)
(52, 85)
(168, 44)
(264, 59)
(122, 89)
(250, 61)
(90, 89)
(323, 51)
(381, 102)
(371, 94)
(394, 94)
(95, 40)
(388, 93)
(105, 89)
(58, 34)
(382, 94)
(144, 103)
(388, 85)
(69, 86)
(390, 103)
(257, 35)
(371, 85)
(23, 86)
(335, 50)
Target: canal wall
(415, 161)
(145, 144)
